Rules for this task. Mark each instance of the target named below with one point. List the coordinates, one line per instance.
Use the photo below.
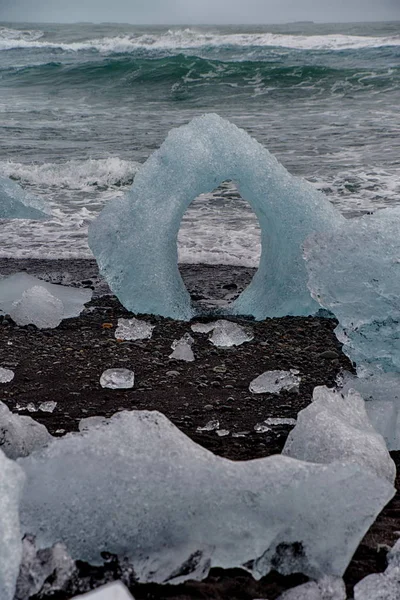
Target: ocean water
(82, 106)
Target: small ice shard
(344, 419)
(327, 588)
(179, 510)
(261, 428)
(38, 565)
(274, 382)
(227, 334)
(13, 287)
(279, 421)
(111, 591)
(6, 375)
(223, 432)
(134, 239)
(182, 349)
(38, 307)
(16, 203)
(240, 434)
(202, 327)
(30, 407)
(382, 586)
(12, 481)
(210, 426)
(133, 329)
(117, 379)
(20, 435)
(48, 406)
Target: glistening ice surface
(179, 510)
(134, 239)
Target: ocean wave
(74, 174)
(190, 39)
(16, 35)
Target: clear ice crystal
(16, 203)
(202, 327)
(261, 428)
(133, 329)
(20, 435)
(327, 588)
(134, 239)
(38, 307)
(179, 510)
(274, 382)
(117, 379)
(6, 375)
(111, 591)
(48, 406)
(182, 349)
(335, 427)
(210, 426)
(11, 484)
(227, 334)
(12, 289)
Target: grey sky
(199, 11)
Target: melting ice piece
(354, 271)
(117, 379)
(111, 591)
(202, 327)
(382, 586)
(274, 382)
(180, 510)
(343, 419)
(38, 307)
(182, 349)
(261, 428)
(11, 483)
(133, 329)
(37, 566)
(227, 334)
(48, 406)
(16, 203)
(210, 426)
(327, 588)
(20, 435)
(13, 287)
(279, 421)
(6, 375)
(140, 263)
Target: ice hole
(218, 228)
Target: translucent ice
(227, 334)
(111, 591)
(6, 375)
(16, 203)
(133, 329)
(38, 307)
(182, 349)
(19, 436)
(179, 510)
(274, 382)
(11, 484)
(327, 588)
(354, 271)
(202, 327)
(48, 406)
(334, 427)
(12, 289)
(134, 239)
(117, 379)
(382, 586)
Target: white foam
(189, 39)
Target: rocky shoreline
(64, 365)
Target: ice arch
(134, 239)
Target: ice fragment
(227, 334)
(274, 382)
(202, 327)
(279, 421)
(210, 426)
(6, 375)
(327, 588)
(37, 307)
(20, 435)
(133, 329)
(182, 349)
(48, 406)
(261, 428)
(382, 586)
(134, 239)
(117, 379)
(111, 591)
(223, 432)
(16, 203)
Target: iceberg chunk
(20, 435)
(134, 239)
(334, 427)
(133, 329)
(12, 290)
(227, 334)
(327, 588)
(111, 591)
(6, 375)
(117, 379)
(274, 382)
(11, 484)
(182, 349)
(179, 510)
(16, 203)
(38, 307)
